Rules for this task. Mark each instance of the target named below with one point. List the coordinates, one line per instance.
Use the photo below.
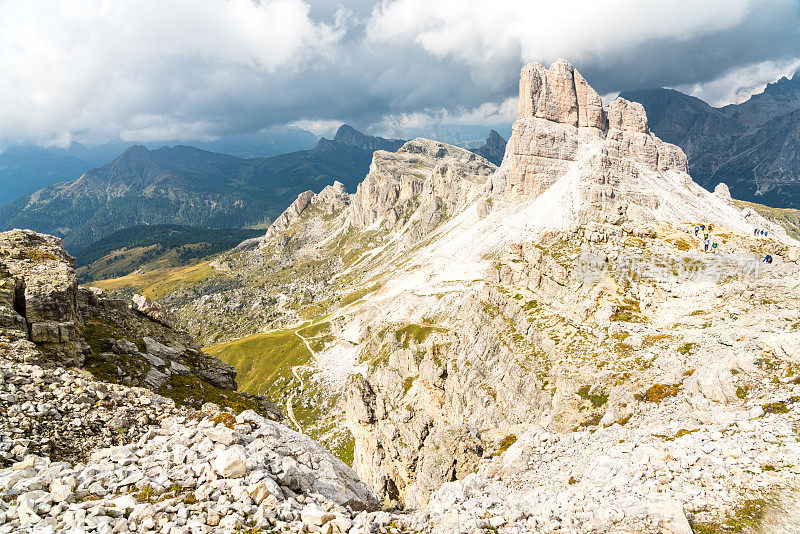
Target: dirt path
(295, 368)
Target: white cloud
(739, 84)
(67, 65)
(484, 31)
(488, 113)
(323, 128)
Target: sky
(93, 70)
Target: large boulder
(153, 310)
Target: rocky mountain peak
(563, 131)
(493, 149)
(494, 138)
(777, 98)
(558, 94)
(346, 135)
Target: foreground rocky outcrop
(84, 451)
(172, 468)
(48, 319)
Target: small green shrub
(225, 418)
(596, 399)
(658, 392)
(775, 407)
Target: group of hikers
(763, 233)
(709, 245)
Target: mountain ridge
(186, 185)
(25, 168)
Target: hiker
(714, 247)
(755, 231)
(765, 233)
(703, 227)
(705, 244)
(768, 258)
(696, 230)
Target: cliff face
(561, 121)
(423, 177)
(39, 293)
(346, 135)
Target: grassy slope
(264, 362)
(154, 247)
(159, 282)
(264, 365)
(786, 217)
(123, 261)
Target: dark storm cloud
(191, 68)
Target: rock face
(685, 120)
(560, 118)
(348, 136)
(331, 199)
(153, 310)
(424, 176)
(40, 293)
(723, 193)
(291, 214)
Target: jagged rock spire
(559, 94)
(562, 126)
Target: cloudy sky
(187, 69)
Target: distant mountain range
(189, 186)
(754, 146)
(26, 168)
